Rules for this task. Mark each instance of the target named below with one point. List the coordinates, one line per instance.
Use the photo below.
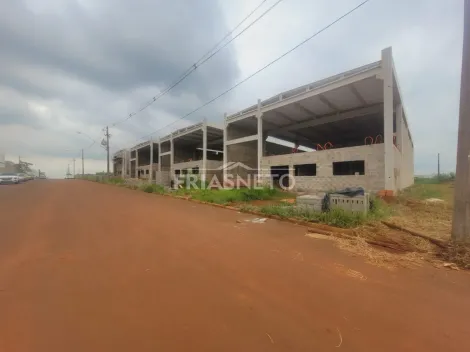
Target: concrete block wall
(214, 167)
(373, 156)
(234, 132)
(245, 153)
(187, 165)
(407, 166)
(163, 178)
(397, 169)
(275, 149)
(144, 169)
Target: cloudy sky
(79, 65)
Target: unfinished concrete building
(347, 130)
(196, 149)
(144, 165)
(120, 163)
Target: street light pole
(107, 151)
(461, 219)
(83, 165)
(83, 159)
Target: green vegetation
(115, 180)
(225, 196)
(333, 217)
(422, 191)
(151, 188)
(435, 179)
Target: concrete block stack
(358, 203)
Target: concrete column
(400, 126)
(125, 166)
(387, 76)
(159, 155)
(291, 176)
(259, 116)
(399, 164)
(172, 158)
(225, 151)
(151, 161)
(204, 151)
(137, 163)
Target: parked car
(21, 177)
(9, 178)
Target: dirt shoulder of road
(416, 230)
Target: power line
(206, 57)
(261, 69)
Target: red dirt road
(91, 267)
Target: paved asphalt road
(91, 267)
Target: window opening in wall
(195, 170)
(279, 176)
(177, 172)
(184, 171)
(305, 170)
(343, 168)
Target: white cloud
(83, 69)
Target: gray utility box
(359, 203)
(310, 201)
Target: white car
(9, 178)
(21, 177)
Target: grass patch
(114, 180)
(226, 196)
(334, 217)
(151, 188)
(422, 191)
(435, 179)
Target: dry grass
(457, 253)
(379, 257)
(432, 219)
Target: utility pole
(461, 219)
(438, 167)
(151, 160)
(83, 165)
(105, 144)
(107, 150)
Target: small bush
(379, 209)
(147, 188)
(151, 188)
